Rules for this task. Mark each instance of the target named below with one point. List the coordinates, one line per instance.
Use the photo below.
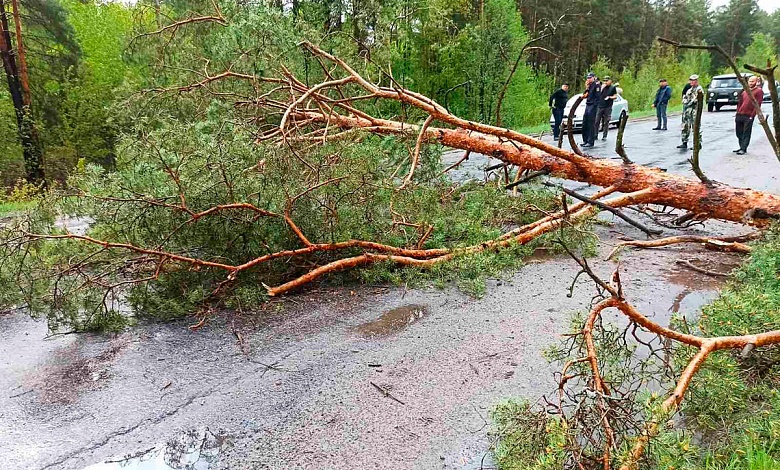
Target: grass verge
(8, 208)
(732, 413)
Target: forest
(196, 160)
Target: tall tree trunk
(28, 136)
(24, 78)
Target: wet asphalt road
(302, 383)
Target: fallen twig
(386, 393)
(605, 207)
(527, 178)
(689, 265)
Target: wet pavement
(371, 377)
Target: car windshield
(725, 83)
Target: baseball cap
(607, 77)
(590, 75)
(693, 77)
(661, 80)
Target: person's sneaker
(736, 151)
(664, 129)
(684, 145)
(741, 152)
(603, 138)
(656, 128)
(587, 145)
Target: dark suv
(724, 90)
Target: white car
(619, 109)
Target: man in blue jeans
(558, 104)
(592, 95)
(662, 97)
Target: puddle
(693, 280)
(393, 321)
(692, 300)
(196, 449)
(697, 289)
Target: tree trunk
(24, 78)
(28, 136)
(718, 201)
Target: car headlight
(712, 95)
(736, 93)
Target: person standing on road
(592, 95)
(604, 112)
(662, 97)
(746, 114)
(558, 103)
(689, 100)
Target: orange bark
(717, 201)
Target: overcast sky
(766, 5)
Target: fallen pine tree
(144, 215)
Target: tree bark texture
(28, 136)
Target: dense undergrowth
(730, 418)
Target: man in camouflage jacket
(689, 101)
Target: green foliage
(215, 162)
(762, 48)
(734, 402)
(640, 81)
(527, 439)
(462, 57)
(732, 27)
(11, 163)
(102, 31)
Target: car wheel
(710, 107)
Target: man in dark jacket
(746, 113)
(685, 89)
(604, 112)
(558, 104)
(592, 95)
(662, 97)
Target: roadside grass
(9, 208)
(734, 403)
(650, 112)
(542, 127)
(22, 197)
(730, 418)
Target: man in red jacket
(746, 113)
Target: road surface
(339, 378)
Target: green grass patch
(9, 208)
(643, 113)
